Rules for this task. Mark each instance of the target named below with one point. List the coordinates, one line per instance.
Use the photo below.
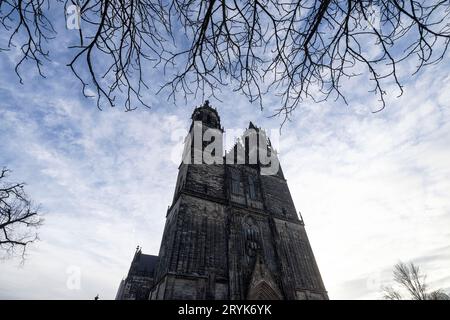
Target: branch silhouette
(19, 218)
(296, 50)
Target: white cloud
(102, 181)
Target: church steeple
(205, 127)
(207, 115)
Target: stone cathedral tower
(232, 232)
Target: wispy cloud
(372, 188)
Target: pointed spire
(301, 218)
(137, 253)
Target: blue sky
(372, 188)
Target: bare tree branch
(19, 218)
(295, 49)
(390, 293)
(409, 278)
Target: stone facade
(233, 233)
(139, 281)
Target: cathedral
(232, 231)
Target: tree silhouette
(298, 50)
(19, 219)
(409, 278)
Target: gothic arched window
(235, 182)
(263, 291)
(252, 236)
(253, 187)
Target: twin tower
(231, 232)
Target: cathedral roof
(147, 262)
(143, 264)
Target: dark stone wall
(194, 249)
(214, 236)
(301, 277)
(277, 198)
(206, 180)
(135, 288)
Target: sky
(372, 187)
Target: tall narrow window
(253, 187)
(235, 182)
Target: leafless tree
(303, 49)
(19, 218)
(409, 278)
